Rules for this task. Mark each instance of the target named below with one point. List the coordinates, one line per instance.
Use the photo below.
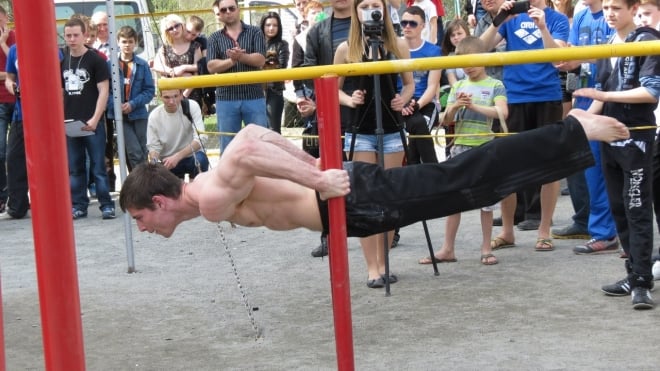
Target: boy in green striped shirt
(473, 104)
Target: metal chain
(246, 301)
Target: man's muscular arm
(260, 152)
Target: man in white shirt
(173, 135)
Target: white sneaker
(656, 270)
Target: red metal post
(327, 110)
(50, 197)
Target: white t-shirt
(431, 15)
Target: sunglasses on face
(173, 28)
(412, 24)
(229, 9)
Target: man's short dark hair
(73, 22)
(415, 10)
(127, 32)
(145, 181)
(217, 3)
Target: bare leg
(447, 251)
(486, 233)
(600, 128)
(549, 194)
(508, 210)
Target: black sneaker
(572, 232)
(529, 225)
(641, 298)
(620, 288)
(322, 249)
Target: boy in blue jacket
(137, 90)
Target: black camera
(372, 22)
(519, 7)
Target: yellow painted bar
(384, 67)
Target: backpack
(185, 107)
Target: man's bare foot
(600, 128)
(336, 184)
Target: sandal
(500, 243)
(485, 259)
(544, 244)
(427, 260)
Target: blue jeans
(232, 114)
(579, 193)
(94, 145)
(188, 166)
(135, 139)
(6, 111)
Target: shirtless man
(262, 179)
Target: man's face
(191, 34)
(300, 5)
(101, 23)
(618, 15)
(311, 15)
(126, 46)
(412, 26)
(648, 15)
(3, 20)
(74, 37)
(227, 12)
(341, 5)
(171, 99)
(157, 221)
(492, 6)
(90, 38)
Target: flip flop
(500, 243)
(485, 261)
(427, 260)
(544, 244)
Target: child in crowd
(456, 31)
(628, 90)
(137, 89)
(472, 104)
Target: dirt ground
(183, 309)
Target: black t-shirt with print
(80, 75)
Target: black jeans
(18, 202)
(420, 150)
(274, 108)
(628, 172)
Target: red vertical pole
(327, 110)
(50, 197)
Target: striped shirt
(252, 40)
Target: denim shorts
(369, 143)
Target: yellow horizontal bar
(384, 67)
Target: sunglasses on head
(173, 28)
(412, 24)
(229, 9)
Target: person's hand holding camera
(410, 108)
(510, 9)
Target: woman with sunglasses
(178, 56)
(277, 56)
(356, 49)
